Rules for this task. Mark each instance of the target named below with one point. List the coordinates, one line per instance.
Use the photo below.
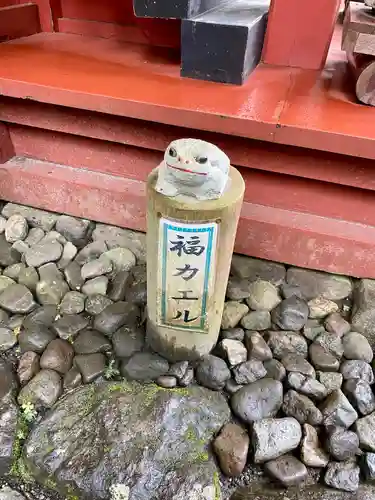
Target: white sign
(187, 255)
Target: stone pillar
(189, 252)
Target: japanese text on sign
(186, 274)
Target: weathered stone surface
(212, 372)
(58, 356)
(312, 453)
(121, 284)
(330, 380)
(28, 367)
(357, 369)
(72, 303)
(115, 316)
(322, 359)
(8, 256)
(8, 433)
(51, 292)
(257, 320)
(231, 447)
(312, 329)
(290, 314)
(96, 286)
(297, 363)
(122, 259)
(257, 347)
(7, 493)
(233, 333)
(301, 408)
(176, 461)
(290, 291)
(128, 340)
(356, 346)
(34, 216)
(4, 318)
(342, 476)
(70, 325)
(360, 395)
(249, 372)
(145, 366)
(363, 312)
(365, 429)
(52, 236)
(91, 366)
(90, 342)
(307, 385)
(72, 274)
(234, 351)
(17, 299)
(342, 444)
(90, 252)
(284, 343)
(7, 339)
(96, 268)
(136, 293)
(179, 369)
(275, 369)
(167, 381)
(95, 304)
(50, 272)
(28, 277)
(14, 270)
(35, 338)
(368, 466)
(337, 411)
(188, 378)
(264, 296)
(273, 437)
(72, 379)
(15, 322)
(3, 222)
(237, 288)
(254, 269)
(44, 315)
(232, 387)
(42, 253)
(74, 230)
(5, 282)
(117, 237)
(288, 470)
(69, 252)
(259, 400)
(315, 283)
(16, 228)
(331, 343)
(261, 491)
(335, 323)
(43, 390)
(321, 307)
(232, 314)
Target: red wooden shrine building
(90, 96)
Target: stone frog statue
(193, 168)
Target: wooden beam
(18, 21)
(6, 145)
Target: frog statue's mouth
(181, 169)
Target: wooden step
(225, 44)
(175, 9)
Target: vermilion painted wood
(283, 105)
(43, 142)
(284, 235)
(6, 146)
(110, 11)
(262, 187)
(299, 33)
(100, 29)
(18, 21)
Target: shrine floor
(88, 411)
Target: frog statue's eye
(172, 152)
(201, 159)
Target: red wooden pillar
(299, 32)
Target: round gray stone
(342, 444)
(7, 339)
(91, 366)
(72, 379)
(259, 400)
(72, 274)
(288, 470)
(35, 338)
(70, 325)
(249, 372)
(284, 343)
(322, 359)
(360, 395)
(40, 253)
(122, 259)
(144, 366)
(73, 303)
(337, 411)
(233, 334)
(335, 323)
(90, 342)
(365, 429)
(297, 363)
(257, 346)
(90, 252)
(212, 372)
(16, 228)
(14, 271)
(275, 369)
(28, 367)
(44, 315)
(357, 369)
(273, 437)
(312, 453)
(167, 381)
(237, 289)
(233, 351)
(42, 391)
(356, 346)
(69, 252)
(315, 283)
(257, 320)
(58, 356)
(232, 314)
(331, 380)
(301, 408)
(28, 277)
(115, 316)
(307, 385)
(342, 476)
(331, 343)
(96, 286)
(264, 296)
(17, 299)
(96, 268)
(73, 229)
(95, 304)
(51, 292)
(321, 307)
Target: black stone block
(174, 9)
(225, 44)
